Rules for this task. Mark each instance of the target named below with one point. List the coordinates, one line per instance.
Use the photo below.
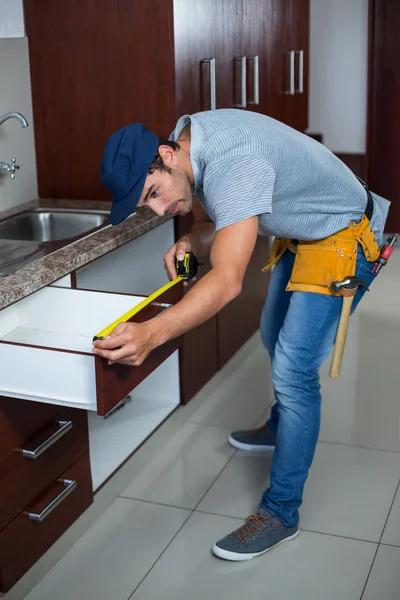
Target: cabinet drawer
(19, 420)
(24, 540)
(32, 467)
(46, 347)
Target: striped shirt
(246, 164)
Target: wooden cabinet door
(195, 73)
(286, 45)
(383, 114)
(95, 67)
(300, 27)
(230, 53)
(257, 48)
(277, 46)
(241, 318)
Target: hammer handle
(341, 337)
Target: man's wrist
(156, 332)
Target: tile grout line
(389, 545)
(192, 512)
(357, 446)
(162, 553)
(380, 540)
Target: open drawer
(46, 347)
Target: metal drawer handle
(64, 427)
(243, 83)
(69, 487)
(291, 72)
(213, 86)
(256, 76)
(300, 89)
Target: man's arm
(230, 254)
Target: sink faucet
(14, 115)
(12, 168)
(9, 168)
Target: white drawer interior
(51, 359)
(62, 317)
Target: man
(242, 174)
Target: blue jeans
(298, 329)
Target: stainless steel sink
(36, 233)
(51, 225)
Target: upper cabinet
(11, 19)
(97, 66)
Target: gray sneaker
(259, 534)
(253, 439)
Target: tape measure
(186, 270)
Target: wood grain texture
(22, 479)
(19, 420)
(24, 541)
(383, 174)
(96, 65)
(193, 42)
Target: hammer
(346, 288)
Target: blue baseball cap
(124, 167)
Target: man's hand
(129, 344)
(176, 252)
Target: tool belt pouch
(318, 263)
(278, 248)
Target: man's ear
(168, 155)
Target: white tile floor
(186, 488)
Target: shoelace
(254, 525)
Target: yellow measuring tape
(186, 268)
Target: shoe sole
(249, 447)
(238, 557)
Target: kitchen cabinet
(240, 319)
(97, 66)
(49, 335)
(135, 267)
(27, 538)
(383, 140)
(45, 480)
(284, 40)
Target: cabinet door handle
(291, 72)
(64, 426)
(256, 80)
(300, 89)
(243, 84)
(213, 85)
(69, 487)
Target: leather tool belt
(318, 263)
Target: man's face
(165, 192)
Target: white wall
(15, 95)
(11, 19)
(338, 73)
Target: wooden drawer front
(50, 333)
(24, 540)
(22, 478)
(19, 420)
